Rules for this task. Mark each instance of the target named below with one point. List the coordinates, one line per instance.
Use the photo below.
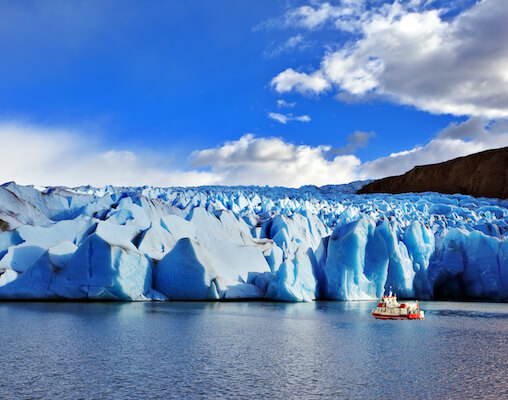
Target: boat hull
(410, 316)
(380, 316)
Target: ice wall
(212, 243)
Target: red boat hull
(381, 316)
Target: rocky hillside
(482, 174)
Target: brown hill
(482, 174)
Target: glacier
(229, 243)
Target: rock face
(224, 243)
(482, 174)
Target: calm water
(251, 350)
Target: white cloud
(447, 145)
(301, 118)
(312, 18)
(278, 117)
(34, 155)
(296, 42)
(414, 56)
(284, 104)
(300, 81)
(272, 161)
(284, 118)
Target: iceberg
(230, 243)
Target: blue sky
(224, 92)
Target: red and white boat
(389, 308)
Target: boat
(389, 308)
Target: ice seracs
(226, 243)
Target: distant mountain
(483, 174)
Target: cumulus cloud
(284, 118)
(35, 155)
(300, 81)
(450, 143)
(412, 54)
(272, 161)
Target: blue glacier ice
(227, 243)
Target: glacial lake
(257, 350)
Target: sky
(265, 92)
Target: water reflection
(248, 350)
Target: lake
(320, 350)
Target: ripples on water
(322, 350)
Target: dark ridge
(483, 174)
